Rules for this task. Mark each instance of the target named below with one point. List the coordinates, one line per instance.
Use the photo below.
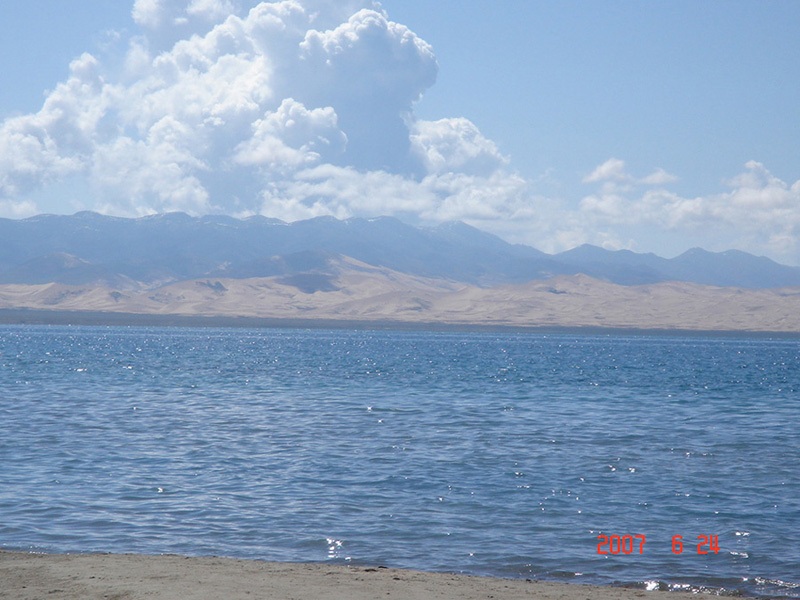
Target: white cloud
(611, 170)
(292, 137)
(294, 108)
(182, 17)
(760, 212)
(614, 171)
(371, 70)
(148, 13)
(344, 192)
(157, 174)
(300, 108)
(210, 10)
(659, 177)
(18, 210)
(56, 141)
(259, 95)
(453, 145)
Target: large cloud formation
(303, 108)
(293, 109)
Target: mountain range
(89, 248)
(324, 270)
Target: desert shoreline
(24, 316)
(29, 576)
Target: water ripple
(501, 455)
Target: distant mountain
(621, 266)
(60, 267)
(174, 246)
(158, 250)
(732, 268)
(286, 264)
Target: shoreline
(26, 576)
(23, 316)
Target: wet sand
(26, 576)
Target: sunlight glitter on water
(251, 443)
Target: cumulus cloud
(18, 209)
(456, 144)
(758, 212)
(293, 109)
(292, 137)
(611, 170)
(266, 90)
(167, 21)
(615, 171)
(659, 177)
(303, 108)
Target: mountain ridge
(161, 249)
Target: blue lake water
(502, 455)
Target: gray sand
(128, 577)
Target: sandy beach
(25, 576)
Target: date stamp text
(630, 544)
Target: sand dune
(354, 291)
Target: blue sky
(655, 126)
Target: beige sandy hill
(59, 296)
(580, 301)
(350, 290)
(346, 289)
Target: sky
(654, 126)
